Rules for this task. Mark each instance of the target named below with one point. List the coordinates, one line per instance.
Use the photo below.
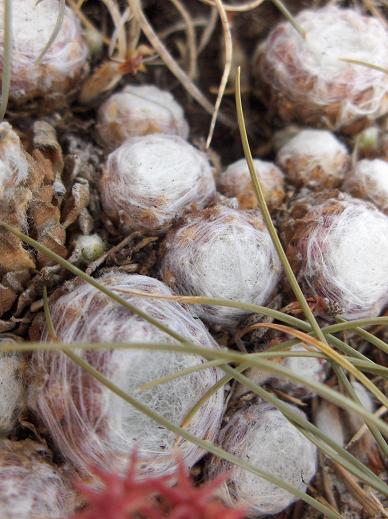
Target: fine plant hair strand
(54, 34)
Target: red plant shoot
(153, 498)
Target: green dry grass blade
(378, 370)
(286, 13)
(336, 358)
(230, 356)
(369, 337)
(348, 388)
(372, 339)
(267, 217)
(365, 64)
(351, 463)
(7, 57)
(54, 34)
(228, 303)
(262, 310)
(179, 431)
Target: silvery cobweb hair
(150, 181)
(236, 181)
(222, 252)
(314, 159)
(307, 77)
(368, 179)
(12, 389)
(30, 486)
(339, 249)
(88, 423)
(14, 165)
(261, 435)
(62, 65)
(139, 110)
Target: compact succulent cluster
(159, 221)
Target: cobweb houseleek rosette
(315, 159)
(149, 182)
(64, 62)
(368, 179)
(222, 252)
(338, 247)
(92, 427)
(30, 484)
(139, 110)
(306, 78)
(262, 435)
(235, 181)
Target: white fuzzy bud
(60, 68)
(88, 423)
(369, 180)
(340, 251)
(308, 78)
(150, 181)
(314, 159)
(235, 181)
(30, 486)
(138, 111)
(90, 247)
(262, 436)
(222, 253)
(12, 389)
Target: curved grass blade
(340, 360)
(362, 63)
(7, 58)
(54, 34)
(230, 356)
(267, 217)
(349, 389)
(372, 339)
